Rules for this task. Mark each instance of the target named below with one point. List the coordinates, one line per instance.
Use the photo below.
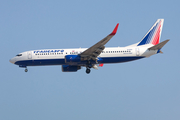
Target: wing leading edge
(95, 50)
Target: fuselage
(57, 56)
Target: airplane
(97, 55)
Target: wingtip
(115, 30)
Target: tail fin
(154, 34)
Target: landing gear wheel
(26, 70)
(88, 70)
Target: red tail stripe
(157, 36)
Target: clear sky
(146, 89)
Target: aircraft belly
(40, 62)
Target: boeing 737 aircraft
(73, 59)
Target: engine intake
(72, 58)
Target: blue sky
(144, 89)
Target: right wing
(95, 50)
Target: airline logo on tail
(154, 34)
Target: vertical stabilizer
(154, 34)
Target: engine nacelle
(72, 58)
(70, 68)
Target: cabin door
(137, 52)
(29, 55)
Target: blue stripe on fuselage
(119, 59)
(62, 61)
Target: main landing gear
(88, 66)
(88, 70)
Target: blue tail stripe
(147, 39)
(151, 35)
(144, 40)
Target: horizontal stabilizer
(158, 46)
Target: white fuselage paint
(109, 52)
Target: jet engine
(72, 58)
(70, 68)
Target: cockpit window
(19, 55)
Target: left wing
(95, 50)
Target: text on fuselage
(47, 51)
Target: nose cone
(12, 60)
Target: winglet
(115, 30)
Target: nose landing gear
(26, 70)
